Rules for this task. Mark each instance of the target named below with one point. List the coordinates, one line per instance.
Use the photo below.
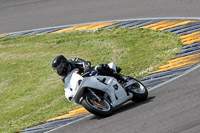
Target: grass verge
(31, 92)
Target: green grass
(31, 92)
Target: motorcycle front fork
(94, 94)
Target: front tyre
(97, 108)
(139, 91)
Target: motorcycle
(100, 95)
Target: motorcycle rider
(64, 66)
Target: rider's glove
(87, 66)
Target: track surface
(171, 108)
(21, 15)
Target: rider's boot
(121, 77)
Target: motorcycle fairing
(72, 84)
(77, 84)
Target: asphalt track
(171, 108)
(19, 15)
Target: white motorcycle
(100, 95)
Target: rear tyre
(97, 108)
(139, 91)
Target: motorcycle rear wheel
(139, 91)
(95, 107)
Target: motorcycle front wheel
(139, 91)
(95, 107)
